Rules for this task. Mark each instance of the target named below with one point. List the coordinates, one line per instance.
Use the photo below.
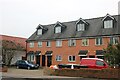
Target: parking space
(24, 73)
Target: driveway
(37, 74)
(24, 73)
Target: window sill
(99, 45)
(71, 61)
(40, 47)
(58, 60)
(72, 46)
(48, 46)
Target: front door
(49, 61)
(38, 60)
(43, 60)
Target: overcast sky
(21, 17)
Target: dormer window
(39, 32)
(108, 21)
(108, 24)
(81, 25)
(58, 29)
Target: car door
(23, 64)
(19, 64)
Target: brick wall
(91, 73)
(65, 50)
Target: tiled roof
(17, 40)
(95, 28)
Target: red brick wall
(85, 72)
(65, 50)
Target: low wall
(4, 69)
(91, 73)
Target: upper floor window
(108, 21)
(98, 41)
(72, 42)
(59, 43)
(58, 58)
(108, 24)
(40, 44)
(48, 43)
(85, 42)
(114, 40)
(39, 32)
(71, 58)
(41, 29)
(31, 44)
(58, 29)
(80, 27)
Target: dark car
(26, 64)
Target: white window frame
(48, 44)
(58, 29)
(39, 43)
(31, 57)
(85, 42)
(39, 32)
(108, 24)
(72, 42)
(115, 40)
(81, 27)
(58, 58)
(31, 44)
(72, 59)
(99, 41)
(58, 43)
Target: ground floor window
(71, 58)
(58, 58)
(30, 57)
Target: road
(38, 74)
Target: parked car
(54, 67)
(93, 63)
(69, 66)
(26, 64)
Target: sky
(21, 17)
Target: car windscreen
(29, 62)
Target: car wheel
(28, 68)
(17, 67)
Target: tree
(112, 55)
(8, 49)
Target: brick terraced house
(68, 42)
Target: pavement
(37, 74)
